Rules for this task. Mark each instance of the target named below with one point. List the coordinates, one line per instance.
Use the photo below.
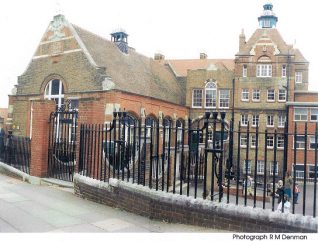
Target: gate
(62, 144)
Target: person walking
(297, 191)
(248, 182)
(280, 191)
(288, 185)
(2, 136)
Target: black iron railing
(15, 151)
(207, 158)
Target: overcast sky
(180, 29)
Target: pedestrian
(288, 185)
(280, 191)
(297, 191)
(2, 136)
(286, 204)
(248, 182)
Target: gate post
(41, 110)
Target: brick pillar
(40, 137)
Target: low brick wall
(187, 210)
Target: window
(244, 70)
(280, 142)
(255, 120)
(300, 114)
(264, 70)
(224, 99)
(247, 165)
(253, 141)
(167, 130)
(54, 90)
(244, 120)
(284, 71)
(282, 95)
(245, 95)
(197, 98)
(270, 121)
(300, 170)
(298, 77)
(179, 130)
(281, 121)
(271, 168)
(243, 142)
(270, 142)
(300, 142)
(260, 167)
(73, 104)
(311, 172)
(314, 114)
(266, 23)
(210, 95)
(256, 96)
(271, 95)
(313, 143)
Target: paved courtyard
(46, 208)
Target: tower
(120, 39)
(268, 18)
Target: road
(48, 208)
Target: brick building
(72, 65)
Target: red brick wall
(40, 137)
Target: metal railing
(207, 158)
(15, 151)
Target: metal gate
(62, 144)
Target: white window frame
(282, 95)
(244, 119)
(299, 174)
(253, 141)
(260, 169)
(301, 143)
(256, 93)
(212, 90)
(300, 116)
(244, 93)
(271, 168)
(270, 140)
(49, 96)
(244, 71)
(281, 121)
(271, 92)
(312, 141)
(316, 115)
(280, 142)
(225, 96)
(264, 70)
(284, 71)
(270, 120)
(193, 98)
(243, 138)
(298, 77)
(249, 166)
(255, 120)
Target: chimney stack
(203, 56)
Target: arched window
(210, 95)
(54, 90)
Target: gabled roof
(132, 72)
(276, 38)
(181, 66)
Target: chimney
(203, 56)
(242, 41)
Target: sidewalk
(33, 208)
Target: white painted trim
(62, 53)
(52, 41)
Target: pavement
(49, 208)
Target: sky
(179, 29)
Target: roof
(132, 72)
(181, 66)
(276, 38)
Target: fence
(207, 158)
(15, 151)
